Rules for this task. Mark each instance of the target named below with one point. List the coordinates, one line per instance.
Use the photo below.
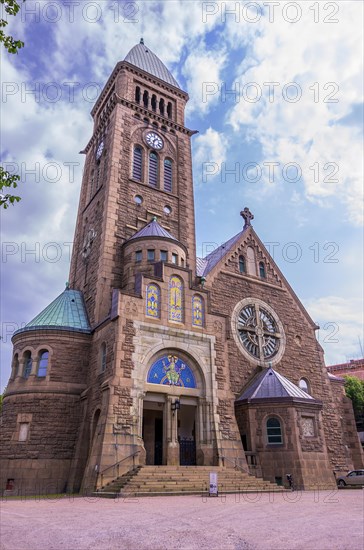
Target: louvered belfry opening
(153, 169)
(137, 163)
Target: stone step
(163, 480)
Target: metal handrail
(117, 464)
(236, 466)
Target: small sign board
(213, 484)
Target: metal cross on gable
(248, 216)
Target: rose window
(258, 331)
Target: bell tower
(138, 166)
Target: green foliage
(354, 389)
(11, 7)
(7, 180)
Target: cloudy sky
(276, 94)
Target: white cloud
(210, 151)
(321, 59)
(341, 322)
(202, 70)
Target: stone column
(172, 432)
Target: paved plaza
(309, 520)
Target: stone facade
(97, 411)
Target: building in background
(354, 367)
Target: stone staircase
(182, 480)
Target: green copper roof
(66, 312)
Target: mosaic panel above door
(170, 370)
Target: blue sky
(292, 132)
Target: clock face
(99, 150)
(154, 140)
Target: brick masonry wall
(302, 357)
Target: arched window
(28, 363)
(304, 385)
(146, 99)
(242, 268)
(103, 357)
(138, 163)
(15, 366)
(43, 363)
(153, 169)
(197, 311)
(274, 431)
(161, 106)
(137, 94)
(168, 178)
(262, 274)
(175, 299)
(154, 102)
(169, 109)
(153, 301)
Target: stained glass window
(259, 331)
(175, 299)
(153, 301)
(197, 311)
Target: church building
(152, 356)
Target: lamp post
(175, 406)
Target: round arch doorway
(172, 412)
